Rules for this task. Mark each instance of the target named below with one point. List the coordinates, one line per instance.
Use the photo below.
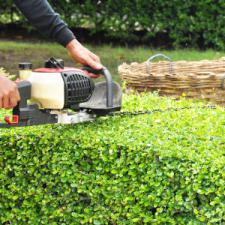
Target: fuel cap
(25, 66)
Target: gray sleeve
(46, 20)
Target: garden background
(162, 168)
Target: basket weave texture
(194, 79)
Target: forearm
(44, 18)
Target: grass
(11, 53)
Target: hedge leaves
(163, 168)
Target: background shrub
(165, 23)
(163, 168)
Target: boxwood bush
(162, 168)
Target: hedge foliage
(163, 168)
(184, 23)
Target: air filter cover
(78, 88)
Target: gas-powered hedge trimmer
(58, 94)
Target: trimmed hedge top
(162, 168)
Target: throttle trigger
(11, 120)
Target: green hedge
(184, 23)
(164, 168)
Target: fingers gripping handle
(91, 70)
(109, 83)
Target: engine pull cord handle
(109, 83)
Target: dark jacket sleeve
(45, 19)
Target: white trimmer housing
(48, 90)
(57, 89)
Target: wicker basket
(194, 79)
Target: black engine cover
(78, 88)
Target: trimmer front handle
(109, 82)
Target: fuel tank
(59, 88)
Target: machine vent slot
(78, 88)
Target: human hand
(9, 94)
(84, 56)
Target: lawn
(11, 53)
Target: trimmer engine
(60, 88)
(55, 94)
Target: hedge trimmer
(63, 95)
(58, 94)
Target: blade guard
(107, 96)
